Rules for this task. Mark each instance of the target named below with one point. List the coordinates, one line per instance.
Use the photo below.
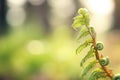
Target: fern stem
(107, 71)
(97, 55)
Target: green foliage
(97, 73)
(89, 67)
(92, 31)
(83, 33)
(83, 46)
(104, 61)
(99, 46)
(116, 77)
(81, 22)
(88, 55)
(17, 62)
(82, 18)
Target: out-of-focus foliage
(27, 54)
(81, 21)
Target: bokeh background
(37, 41)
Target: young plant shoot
(94, 64)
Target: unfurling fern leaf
(82, 11)
(85, 13)
(98, 73)
(116, 77)
(89, 55)
(89, 67)
(104, 61)
(82, 21)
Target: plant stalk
(98, 56)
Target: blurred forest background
(37, 41)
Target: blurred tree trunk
(116, 25)
(41, 14)
(44, 15)
(3, 24)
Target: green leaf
(84, 45)
(78, 22)
(82, 11)
(96, 74)
(87, 18)
(89, 40)
(89, 55)
(82, 19)
(92, 31)
(78, 17)
(89, 67)
(83, 32)
(81, 47)
(85, 13)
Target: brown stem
(97, 55)
(107, 71)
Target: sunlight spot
(13, 3)
(35, 47)
(100, 7)
(16, 16)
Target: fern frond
(89, 55)
(92, 30)
(83, 33)
(78, 17)
(78, 23)
(87, 18)
(83, 46)
(96, 74)
(89, 67)
(82, 19)
(82, 11)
